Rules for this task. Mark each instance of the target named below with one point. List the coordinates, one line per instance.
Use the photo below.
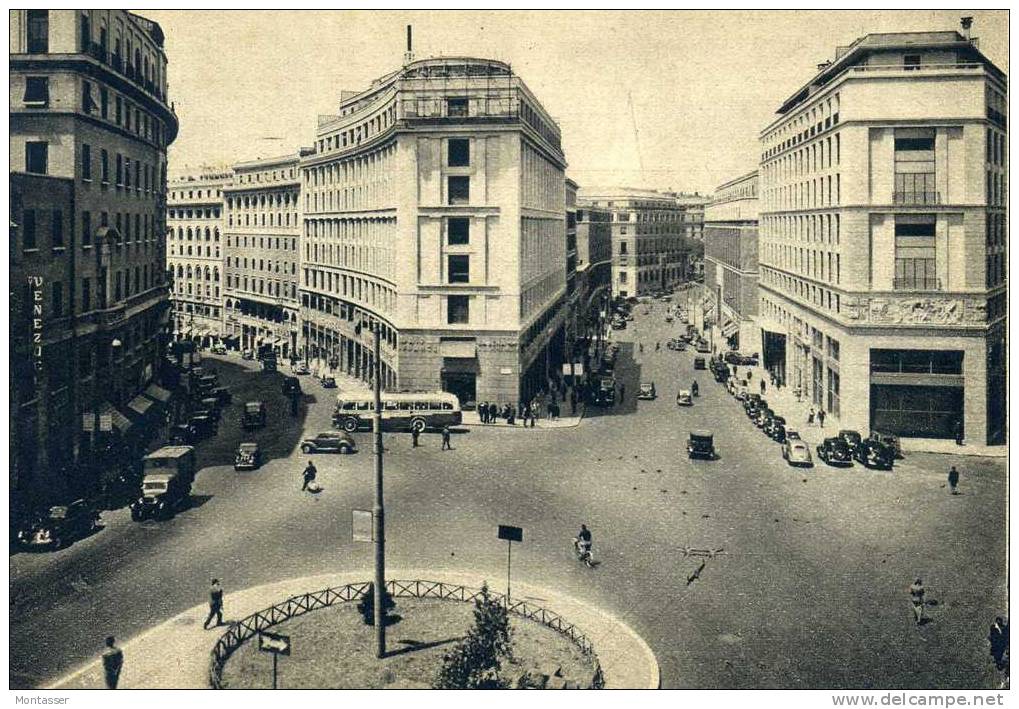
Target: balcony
(917, 284)
(917, 198)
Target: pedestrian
(113, 662)
(998, 638)
(958, 432)
(445, 439)
(506, 413)
(640, 347)
(573, 402)
(820, 417)
(309, 475)
(622, 393)
(810, 416)
(953, 481)
(762, 387)
(215, 605)
(658, 346)
(483, 412)
(534, 415)
(750, 374)
(414, 435)
(916, 593)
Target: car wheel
(418, 425)
(344, 449)
(306, 448)
(350, 425)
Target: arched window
(207, 234)
(215, 234)
(215, 274)
(189, 233)
(206, 273)
(189, 271)
(180, 271)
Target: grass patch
(333, 649)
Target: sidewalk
(471, 418)
(176, 653)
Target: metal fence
(295, 606)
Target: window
(458, 230)
(459, 152)
(459, 189)
(622, 248)
(622, 276)
(86, 161)
(37, 91)
(459, 269)
(87, 103)
(104, 102)
(57, 229)
(457, 309)
(104, 166)
(915, 257)
(456, 107)
(119, 110)
(58, 299)
(28, 230)
(914, 166)
(86, 228)
(86, 295)
(911, 62)
(120, 170)
(36, 157)
(38, 31)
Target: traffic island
(332, 648)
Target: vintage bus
(404, 411)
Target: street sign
(361, 526)
(511, 534)
(274, 643)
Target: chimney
(408, 56)
(966, 23)
(823, 65)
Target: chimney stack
(966, 23)
(408, 56)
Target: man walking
(445, 439)
(310, 471)
(622, 393)
(916, 592)
(820, 417)
(113, 662)
(762, 387)
(953, 481)
(958, 432)
(414, 434)
(215, 605)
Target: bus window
(364, 406)
(421, 405)
(434, 406)
(406, 406)
(389, 405)
(446, 406)
(348, 406)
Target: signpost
(276, 645)
(362, 522)
(510, 534)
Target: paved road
(811, 590)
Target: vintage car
(851, 439)
(698, 362)
(291, 386)
(647, 391)
(219, 348)
(328, 382)
(60, 525)
(763, 415)
(253, 416)
(211, 403)
(223, 395)
(704, 347)
(182, 434)
(775, 428)
(300, 369)
(205, 424)
(684, 398)
(792, 434)
(875, 454)
(248, 457)
(835, 451)
(672, 343)
(329, 442)
(604, 391)
(701, 444)
(618, 324)
(796, 452)
(890, 440)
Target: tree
(476, 660)
(366, 606)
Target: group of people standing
(528, 413)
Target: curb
(175, 653)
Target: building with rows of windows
(261, 306)
(195, 256)
(433, 206)
(89, 128)
(730, 262)
(882, 237)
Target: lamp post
(378, 508)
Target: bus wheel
(350, 425)
(418, 425)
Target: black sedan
(329, 442)
(875, 454)
(851, 439)
(835, 451)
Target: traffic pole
(378, 509)
(275, 659)
(509, 567)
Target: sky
(660, 99)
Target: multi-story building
(730, 256)
(882, 237)
(693, 206)
(433, 208)
(594, 249)
(90, 124)
(195, 256)
(649, 252)
(261, 255)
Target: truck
(167, 476)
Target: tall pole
(509, 567)
(378, 510)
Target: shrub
(366, 606)
(475, 661)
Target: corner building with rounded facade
(434, 205)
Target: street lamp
(378, 508)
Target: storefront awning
(157, 393)
(458, 348)
(729, 328)
(140, 405)
(108, 417)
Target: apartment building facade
(883, 237)
(89, 127)
(434, 209)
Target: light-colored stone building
(89, 126)
(882, 237)
(261, 255)
(730, 258)
(434, 206)
(194, 255)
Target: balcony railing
(918, 283)
(920, 198)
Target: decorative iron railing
(247, 628)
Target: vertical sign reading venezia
(35, 283)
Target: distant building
(594, 249)
(195, 257)
(89, 126)
(730, 256)
(883, 237)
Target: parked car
(301, 369)
(211, 403)
(182, 434)
(775, 428)
(763, 415)
(328, 382)
(701, 444)
(835, 451)
(698, 363)
(223, 395)
(60, 525)
(851, 439)
(248, 354)
(219, 348)
(253, 416)
(890, 440)
(248, 457)
(703, 347)
(212, 411)
(796, 452)
(329, 442)
(291, 386)
(647, 391)
(684, 398)
(204, 424)
(792, 434)
(873, 453)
